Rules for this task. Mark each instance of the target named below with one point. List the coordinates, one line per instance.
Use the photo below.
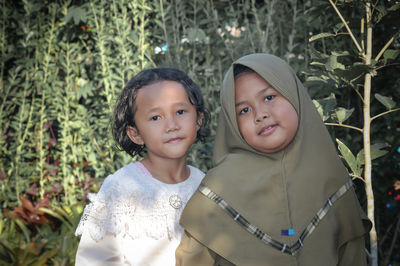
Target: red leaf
(26, 204)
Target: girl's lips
(267, 130)
(174, 140)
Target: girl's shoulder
(135, 180)
(126, 180)
(195, 170)
(196, 174)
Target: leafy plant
(45, 244)
(354, 69)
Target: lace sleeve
(94, 218)
(104, 212)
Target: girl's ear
(199, 121)
(134, 135)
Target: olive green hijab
(277, 191)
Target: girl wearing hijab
(279, 193)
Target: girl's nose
(172, 125)
(260, 116)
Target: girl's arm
(103, 252)
(190, 252)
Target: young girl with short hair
(279, 193)
(133, 219)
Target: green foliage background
(64, 63)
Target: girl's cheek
(241, 125)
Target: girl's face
(166, 121)
(267, 120)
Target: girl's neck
(167, 171)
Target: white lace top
(134, 219)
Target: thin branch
(347, 26)
(394, 64)
(358, 177)
(384, 113)
(385, 236)
(351, 85)
(362, 34)
(373, 9)
(359, 94)
(396, 232)
(344, 125)
(385, 47)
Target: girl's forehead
(248, 81)
(249, 77)
(162, 90)
(162, 84)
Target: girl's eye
(155, 117)
(180, 112)
(269, 98)
(244, 110)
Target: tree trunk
(367, 144)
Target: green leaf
(343, 53)
(342, 114)
(55, 215)
(391, 54)
(320, 110)
(380, 12)
(92, 157)
(338, 26)
(386, 101)
(394, 7)
(8, 253)
(2, 225)
(314, 80)
(325, 106)
(24, 229)
(196, 35)
(333, 63)
(349, 158)
(315, 54)
(321, 35)
(84, 90)
(76, 124)
(315, 63)
(353, 72)
(376, 152)
(77, 14)
(46, 256)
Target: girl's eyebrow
(181, 103)
(258, 93)
(152, 110)
(264, 90)
(240, 103)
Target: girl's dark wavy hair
(239, 69)
(124, 112)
